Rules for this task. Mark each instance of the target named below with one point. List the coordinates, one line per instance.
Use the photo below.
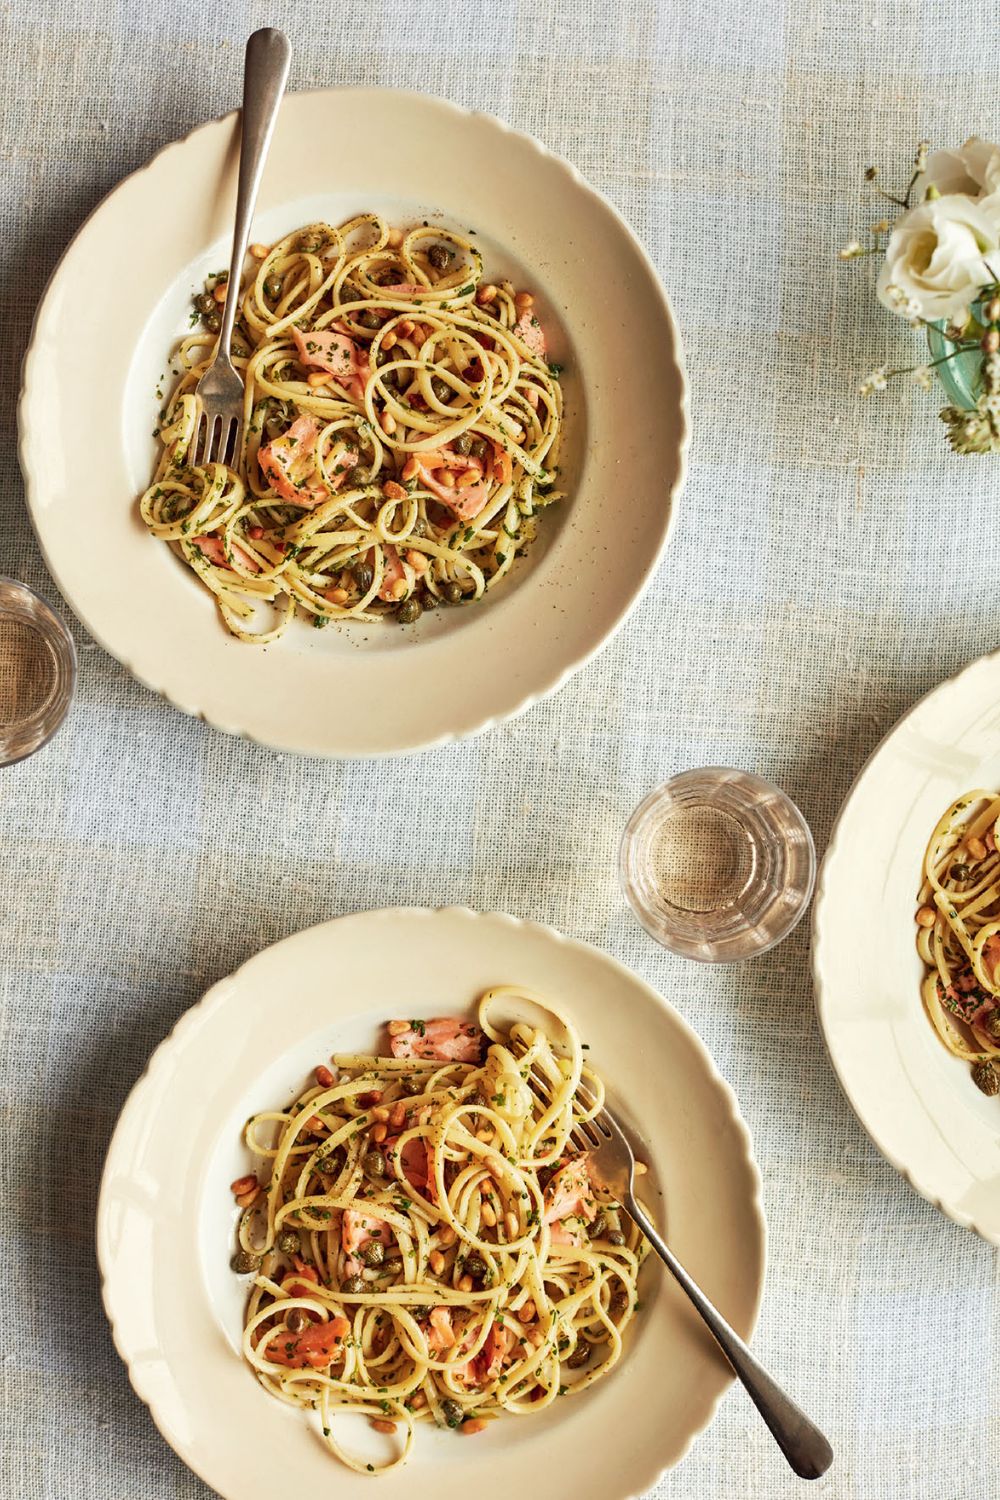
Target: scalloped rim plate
(121, 294)
(915, 1100)
(165, 1217)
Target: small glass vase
(962, 376)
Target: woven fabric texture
(831, 562)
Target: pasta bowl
(166, 1216)
(354, 690)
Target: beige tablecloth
(830, 563)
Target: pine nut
(484, 1135)
(318, 378)
(976, 848)
(447, 1236)
(395, 239)
(389, 339)
(388, 423)
(370, 1097)
(536, 1336)
(338, 596)
(523, 301)
(510, 1223)
(381, 1426)
(259, 252)
(527, 1312)
(396, 1028)
(417, 561)
(398, 1116)
(418, 1401)
(405, 328)
(446, 477)
(487, 1215)
(926, 916)
(324, 1077)
(465, 1284)
(379, 1132)
(486, 294)
(243, 1184)
(469, 477)
(248, 1199)
(219, 291)
(436, 1262)
(380, 1112)
(410, 471)
(641, 1169)
(477, 1424)
(393, 491)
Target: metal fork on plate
(220, 389)
(612, 1165)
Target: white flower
(850, 251)
(922, 376)
(873, 382)
(936, 255)
(906, 307)
(974, 169)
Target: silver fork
(612, 1164)
(220, 389)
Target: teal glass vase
(962, 376)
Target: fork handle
(804, 1446)
(265, 73)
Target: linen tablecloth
(831, 562)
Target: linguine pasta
(958, 933)
(429, 1246)
(401, 430)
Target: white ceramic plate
(119, 300)
(917, 1102)
(166, 1221)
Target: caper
(618, 1303)
(986, 1078)
(451, 593)
(615, 1237)
(357, 475)
(272, 287)
(364, 576)
(441, 388)
(205, 302)
(598, 1227)
(353, 1284)
(288, 1242)
(373, 1254)
(428, 601)
(580, 1355)
(960, 872)
(463, 443)
(374, 1163)
(240, 346)
(212, 321)
(475, 1267)
(296, 1320)
(439, 257)
(410, 610)
(992, 1024)
(480, 447)
(369, 318)
(243, 1262)
(452, 1413)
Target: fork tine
(585, 1134)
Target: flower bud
(991, 311)
(990, 341)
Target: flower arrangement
(941, 272)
